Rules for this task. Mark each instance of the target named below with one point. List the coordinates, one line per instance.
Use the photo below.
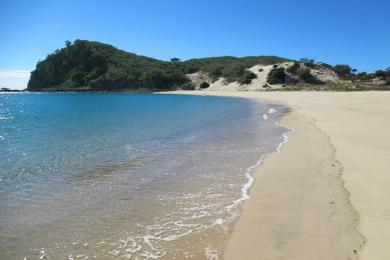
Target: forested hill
(87, 65)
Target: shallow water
(112, 176)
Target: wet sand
(326, 195)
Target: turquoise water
(126, 175)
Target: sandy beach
(326, 194)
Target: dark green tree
(293, 69)
(343, 71)
(276, 76)
(204, 85)
(305, 75)
(247, 77)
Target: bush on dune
(204, 85)
(343, 71)
(293, 69)
(305, 75)
(247, 78)
(276, 76)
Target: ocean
(127, 176)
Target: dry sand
(327, 194)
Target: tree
(387, 76)
(204, 85)
(363, 76)
(95, 65)
(216, 71)
(343, 71)
(276, 76)
(380, 74)
(293, 69)
(307, 60)
(233, 72)
(305, 75)
(247, 77)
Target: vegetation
(363, 76)
(308, 62)
(87, 65)
(276, 76)
(325, 65)
(247, 77)
(204, 85)
(343, 71)
(93, 66)
(97, 66)
(8, 90)
(382, 75)
(334, 86)
(294, 68)
(305, 75)
(231, 68)
(387, 76)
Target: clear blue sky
(333, 31)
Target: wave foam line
(248, 172)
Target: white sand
(299, 206)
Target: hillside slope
(96, 66)
(88, 66)
(93, 66)
(294, 75)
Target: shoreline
(341, 210)
(291, 225)
(250, 171)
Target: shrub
(276, 76)
(326, 65)
(343, 70)
(186, 87)
(380, 74)
(387, 78)
(204, 85)
(247, 77)
(293, 69)
(233, 72)
(78, 76)
(305, 75)
(216, 71)
(363, 76)
(308, 62)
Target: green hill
(87, 65)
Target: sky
(333, 31)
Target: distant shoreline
(78, 91)
(156, 91)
